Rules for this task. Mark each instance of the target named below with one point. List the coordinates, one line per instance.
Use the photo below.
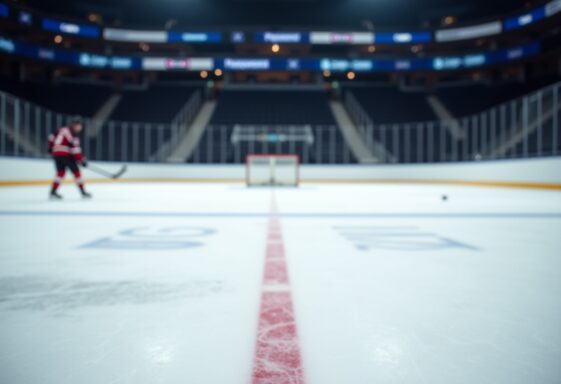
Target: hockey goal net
(276, 170)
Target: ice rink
(324, 284)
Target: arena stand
(273, 113)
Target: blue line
(311, 215)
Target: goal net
(277, 170)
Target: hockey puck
(444, 197)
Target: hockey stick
(105, 173)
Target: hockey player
(64, 145)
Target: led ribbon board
(403, 37)
(341, 37)
(138, 36)
(130, 35)
(70, 28)
(168, 64)
(533, 16)
(194, 37)
(525, 19)
(82, 59)
(290, 37)
(101, 61)
(282, 37)
(329, 38)
(4, 10)
(470, 32)
(552, 8)
(440, 63)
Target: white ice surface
(390, 284)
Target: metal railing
(25, 126)
(315, 144)
(180, 126)
(528, 126)
(525, 127)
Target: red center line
(277, 354)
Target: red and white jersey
(65, 143)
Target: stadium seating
(72, 99)
(465, 100)
(273, 107)
(158, 104)
(410, 143)
(389, 105)
(277, 109)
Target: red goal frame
(271, 155)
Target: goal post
(272, 170)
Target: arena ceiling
(229, 13)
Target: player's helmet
(76, 120)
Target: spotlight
(371, 48)
(351, 75)
(204, 74)
(58, 39)
(449, 20)
(326, 73)
(94, 18)
(275, 48)
(218, 72)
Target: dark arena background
(280, 191)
